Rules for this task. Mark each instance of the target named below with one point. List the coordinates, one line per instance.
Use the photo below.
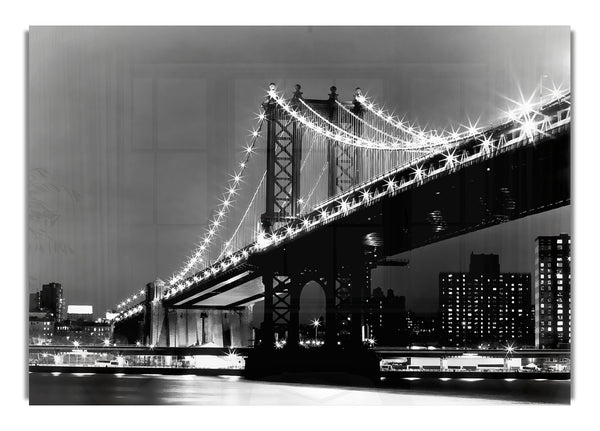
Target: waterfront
(146, 389)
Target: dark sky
(132, 131)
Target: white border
(16, 19)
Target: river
(147, 389)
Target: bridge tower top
(284, 153)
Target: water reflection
(66, 388)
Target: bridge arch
(320, 304)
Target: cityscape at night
(237, 215)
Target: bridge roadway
(512, 182)
(519, 176)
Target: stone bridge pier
(184, 327)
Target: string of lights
(217, 221)
(526, 119)
(351, 139)
(219, 216)
(325, 128)
(343, 206)
(398, 141)
(228, 244)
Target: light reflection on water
(65, 388)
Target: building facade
(552, 291)
(41, 328)
(485, 306)
(52, 301)
(34, 302)
(385, 319)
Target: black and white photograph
(266, 215)
(299, 215)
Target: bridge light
(391, 184)
(529, 127)
(450, 159)
(555, 92)
(472, 129)
(418, 171)
(344, 205)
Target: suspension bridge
(346, 186)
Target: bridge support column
(268, 336)
(284, 146)
(294, 326)
(278, 296)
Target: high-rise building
(485, 305)
(52, 301)
(552, 291)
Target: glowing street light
(106, 342)
(316, 323)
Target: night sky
(132, 132)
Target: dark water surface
(83, 388)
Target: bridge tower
(344, 276)
(284, 147)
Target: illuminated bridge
(346, 186)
